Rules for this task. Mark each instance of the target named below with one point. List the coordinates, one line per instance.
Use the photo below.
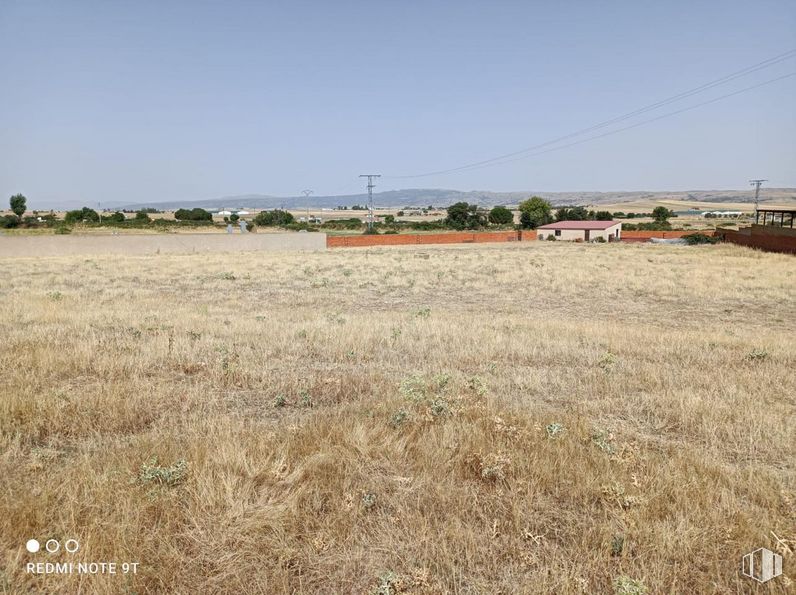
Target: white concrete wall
(63, 245)
(579, 234)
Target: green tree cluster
(82, 215)
(501, 216)
(196, 214)
(273, 218)
(534, 212)
(462, 215)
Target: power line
(717, 82)
(637, 124)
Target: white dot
(32, 546)
(73, 547)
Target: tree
(572, 214)
(501, 216)
(603, 216)
(234, 217)
(196, 214)
(18, 204)
(462, 215)
(389, 220)
(142, 216)
(81, 215)
(275, 217)
(661, 214)
(117, 217)
(534, 212)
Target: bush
(662, 214)
(117, 217)
(352, 223)
(427, 225)
(653, 226)
(196, 214)
(275, 217)
(142, 216)
(462, 215)
(501, 216)
(572, 214)
(84, 215)
(300, 226)
(9, 221)
(699, 238)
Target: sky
(116, 102)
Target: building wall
(579, 234)
(188, 243)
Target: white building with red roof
(583, 231)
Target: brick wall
(403, 239)
(771, 243)
(645, 235)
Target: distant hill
(444, 198)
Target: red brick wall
(770, 243)
(403, 239)
(645, 235)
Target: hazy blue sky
(106, 101)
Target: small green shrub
(151, 472)
(602, 439)
(369, 501)
(398, 418)
(439, 407)
(554, 429)
(624, 585)
(617, 545)
(757, 355)
(388, 584)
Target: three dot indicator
(52, 545)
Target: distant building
(724, 214)
(584, 231)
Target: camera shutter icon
(762, 565)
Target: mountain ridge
(444, 197)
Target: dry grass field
(534, 418)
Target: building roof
(579, 225)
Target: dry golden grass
(412, 451)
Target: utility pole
(371, 186)
(756, 184)
(306, 194)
